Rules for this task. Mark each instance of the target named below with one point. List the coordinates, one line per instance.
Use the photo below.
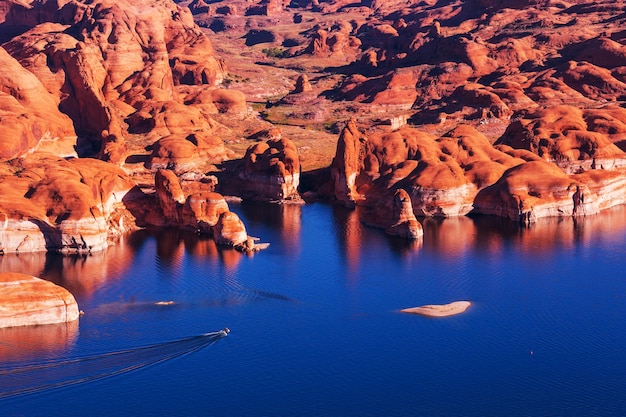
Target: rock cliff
(51, 204)
(104, 65)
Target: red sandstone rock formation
(271, 171)
(75, 205)
(563, 136)
(174, 152)
(540, 189)
(333, 41)
(516, 54)
(203, 211)
(30, 118)
(441, 175)
(570, 173)
(396, 216)
(105, 61)
(348, 164)
(28, 301)
(302, 85)
(404, 223)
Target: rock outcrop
(576, 140)
(395, 215)
(550, 165)
(271, 171)
(348, 163)
(27, 301)
(51, 204)
(104, 64)
(336, 40)
(439, 310)
(403, 221)
(202, 211)
(441, 175)
(540, 189)
(29, 115)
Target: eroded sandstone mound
(540, 189)
(396, 216)
(574, 139)
(441, 175)
(28, 301)
(461, 172)
(106, 65)
(51, 204)
(271, 171)
(29, 115)
(203, 211)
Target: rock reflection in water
(349, 234)
(80, 274)
(285, 218)
(454, 236)
(172, 245)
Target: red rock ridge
(106, 61)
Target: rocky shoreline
(117, 116)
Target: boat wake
(33, 378)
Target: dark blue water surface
(315, 324)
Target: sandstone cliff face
(271, 171)
(395, 215)
(30, 118)
(441, 175)
(50, 204)
(348, 164)
(574, 139)
(540, 189)
(104, 62)
(28, 301)
(461, 172)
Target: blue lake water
(315, 327)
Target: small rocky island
(27, 301)
(439, 310)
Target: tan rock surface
(439, 310)
(26, 301)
